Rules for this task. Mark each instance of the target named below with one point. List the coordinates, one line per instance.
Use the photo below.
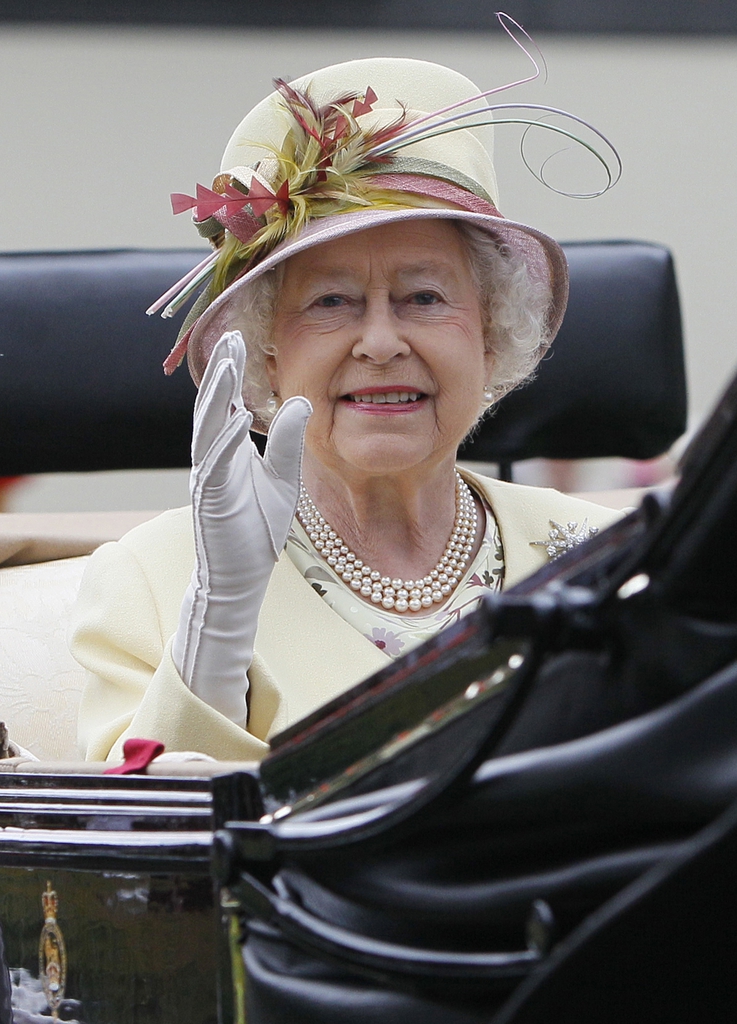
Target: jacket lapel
(301, 638)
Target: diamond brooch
(564, 538)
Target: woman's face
(382, 331)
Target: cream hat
(344, 149)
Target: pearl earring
(489, 395)
(272, 403)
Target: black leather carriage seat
(81, 384)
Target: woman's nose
(381, 337)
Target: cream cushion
(40, 682)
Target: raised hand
(242, 507)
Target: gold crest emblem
(52, 954)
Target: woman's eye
(330, 301)
(425, 298)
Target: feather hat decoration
(324, 165)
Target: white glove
(242, 506)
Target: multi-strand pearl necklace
(396, 594)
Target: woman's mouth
(385, 397)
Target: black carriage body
(106, 892)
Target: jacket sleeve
(121, 634)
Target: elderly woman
(367, 303)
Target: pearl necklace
(396, 594)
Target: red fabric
(138, 756)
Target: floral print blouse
(393, 633)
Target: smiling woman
(365, 304)
(370, 317)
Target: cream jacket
(305, 654)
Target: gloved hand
(242, 507)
